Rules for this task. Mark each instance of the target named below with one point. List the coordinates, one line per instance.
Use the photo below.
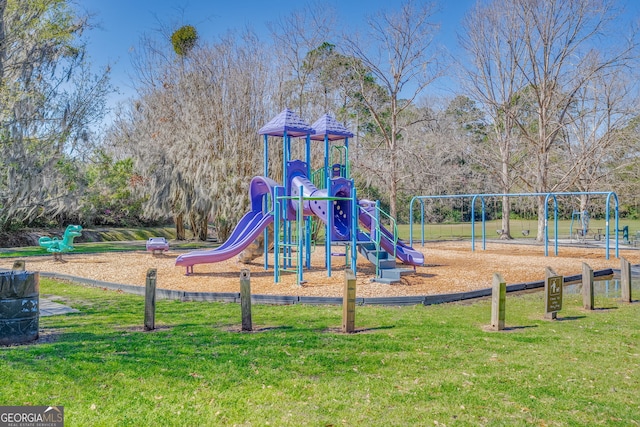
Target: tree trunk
(542, 220)
(204, 228)
(3, 6)
(542, 187)
(179, 220)
(393, 185)
(506, 225)
(584, 202)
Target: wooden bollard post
(498, 302)
(553, 294)
(245, 299)
(349, 302)
(625, 279)
(150, 300)
(587, 287)
(19, 265)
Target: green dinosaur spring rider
(60, 246)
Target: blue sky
(121, 23)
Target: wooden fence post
(349, 302)
(625, 279)
(150, 300)
(19, 265)
(245, 299)
(587, 287)
(553, 294)
(498, 302)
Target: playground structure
(157, 245)
(582, 217)
(60, 246)
(328, 195)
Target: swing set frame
(609, 195)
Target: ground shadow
(255, 329)
(45, 336)
(563, 319)
(157, 328)
(600, 309)
(425, 275)
(489, 328)
(232, 274)
(356, 330)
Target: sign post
(553, 294)
(150, 300)
(245, 299)
(498, 299)
(587, 287)
(625, 280)
(349, 303)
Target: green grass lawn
(418, 365)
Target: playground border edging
(232, 297)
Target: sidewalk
(50, 308)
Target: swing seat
(525, 232)
(500, 232)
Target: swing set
(549, 197)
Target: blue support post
(473, 223)
(484, 227)
(346, 159)
(328, 228)
(546, 223)
(266, 156)
(555, 224)
(422, 222)
(617, 225)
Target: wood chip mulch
(450, 267)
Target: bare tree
(597, 141)
(302, 44)
(555, 48)
(294, 37)
(563, 55)
(437, 148)
(492, 76)
(193, 130)
(398, 53)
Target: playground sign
(553, 293)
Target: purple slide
(404, 252)
(342, 217)
(341, 210)
(247, 230)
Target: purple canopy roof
(287, 121)
(330, 127)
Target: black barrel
(19, 306)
